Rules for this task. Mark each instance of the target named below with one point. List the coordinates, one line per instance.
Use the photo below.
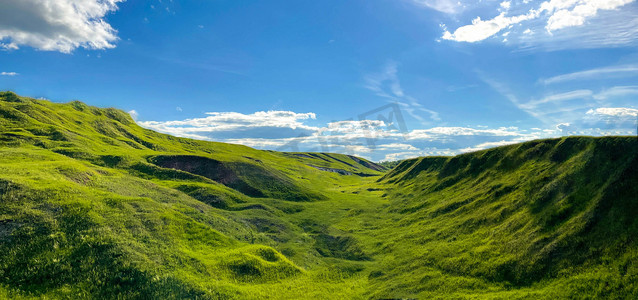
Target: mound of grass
(251, 179)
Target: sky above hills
(380, 79)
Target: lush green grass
(94, 206)
(547, 217)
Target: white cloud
(397, 146)
(563, 126)
(263, 143)
(555, 15)
(9, 74)
(446, 6)
(57, 25)
(486, 145)
(460, 137)
(594, 74)
(585, 9)
(614, 112)
(460, 131)
(230, 120)
(553, 5)
(482, 29)
(350, 126)
(608, 29)
(133, 114)
(506, 5)
(225, 123)
(290, 131)
(376, 139)
(425, 152)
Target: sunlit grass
(94, 206)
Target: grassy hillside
(94, 206)
(550, 217)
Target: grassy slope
(92, 205)
(85, 211)
(550, 217)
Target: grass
(94, 206)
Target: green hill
(547, 218)
(94, 206)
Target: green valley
(94, 206)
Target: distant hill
(94, 206)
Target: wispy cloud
(595, 74)
(568, 106)
(133, 113)
(386, 84)
(555, 98)
(445, 6)
(57, 25)
(9, 74)
(617, 91)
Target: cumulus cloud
(614, 113)
(57, 25)
(599, 122)
(291, 131)
(506, 5)
(483, 29)
(9, 74)
(563, 17)
(227, 124)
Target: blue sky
(381, 79)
